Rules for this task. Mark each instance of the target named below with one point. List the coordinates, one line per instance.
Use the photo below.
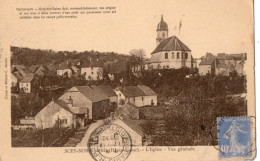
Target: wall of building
(79, 100)
(204, 69)
(222, 71)
(26, 87)
(62, 72)
(113, 99)
(143, 101)
(136, 138)
(49, 115)
(161, 35)
(94, 73)
(120, 97)
(172, 61)
(99, 109)
(13, 80)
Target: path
(92, 127)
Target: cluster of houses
(26, 79)
(222, 64)
(80, 105)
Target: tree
(137, 57)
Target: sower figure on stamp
(232, 134)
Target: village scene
(163, 98)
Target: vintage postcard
(127, 80)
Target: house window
(186, 55)
(27, 85)
(119, 94)
(172, 55)
(91, 68)
(166, 55)
(91, 72)
(152, 103)
(142, 98)
(178, 55)
(63, 121)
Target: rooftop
(27, 79)
(135, 91)
(171, 44)
(91, 92)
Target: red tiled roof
(171, 44)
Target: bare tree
(137, 59)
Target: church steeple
(162, 31)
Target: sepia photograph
(118, 76)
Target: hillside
(28, 57)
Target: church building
(170, 52)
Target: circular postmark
(110, 142)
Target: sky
(214, 26)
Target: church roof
(171, 44)
(162, 25)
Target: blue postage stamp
(234, 137)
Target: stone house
(88, 97)
(27, 84)
(62, 114)
(64, 70)
(140, 95)
(15, 78)
(137, 134)
(92, 70)
(207, 66)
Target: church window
(178, 55)
(163, 35)
(186, 55)
(172, 55)
(166, 55)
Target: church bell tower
(162, 31)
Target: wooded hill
(28, 57)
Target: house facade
(139, 96)
(207, 66)
(64, 71)
(92, 71)
(88, 98)
(55, 113)
(26, 85)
